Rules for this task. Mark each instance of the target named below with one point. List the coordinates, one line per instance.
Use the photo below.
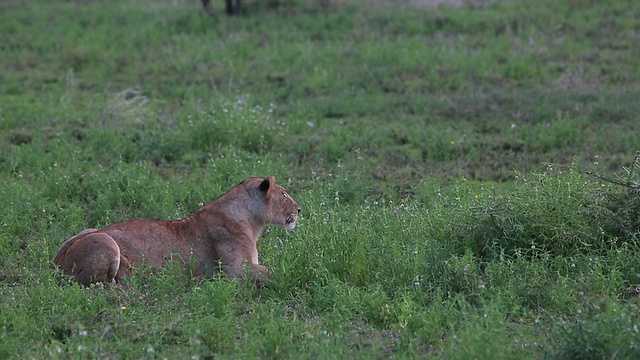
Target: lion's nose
(299, 209)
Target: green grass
(439, 155)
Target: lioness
(222, 234)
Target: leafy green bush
(557, 212)
(598, 331)
(625, 204)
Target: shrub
(598, 331)
(559, 212)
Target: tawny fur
(222, 234)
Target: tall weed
(561, 213)
(598, 330)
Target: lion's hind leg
(91, 259)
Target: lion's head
(276, 205)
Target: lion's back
(148, 241)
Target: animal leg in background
(230, 9)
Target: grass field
(468, 175)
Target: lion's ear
(267, 184)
